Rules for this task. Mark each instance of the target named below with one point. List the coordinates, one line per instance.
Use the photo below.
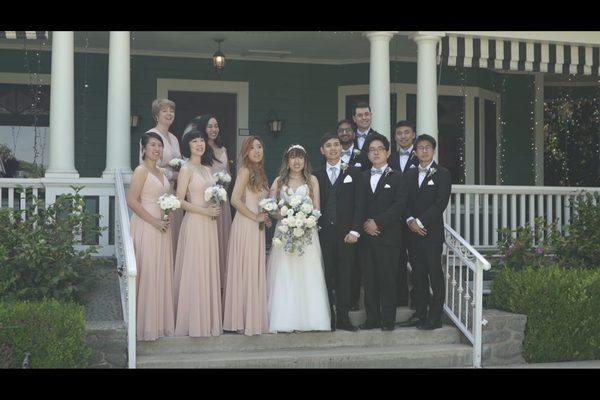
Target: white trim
(241, 89)
(24, 79)
(583, 84)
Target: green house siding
(305, 96)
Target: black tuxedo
(342, 212)
(427, 203)
(363, 158)
(380, 253)
(406, 251)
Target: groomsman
(361, 115)
(429, 187)
(341, 221)
(350, 153)
(385, 203)
(402, 160)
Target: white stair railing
(463, 272)
(127, 267)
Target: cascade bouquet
(222, 178)
(176, 163)
(215, 194)
(167, 203)
(268, 205)
(299, 221)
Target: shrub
(562, 308)
(52, 332)
(37, 255)
(519, 251)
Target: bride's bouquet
(299, 221)
(215, 194)
(268, 205)
(176, 163)
(167, 203)
(222, 178)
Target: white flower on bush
(298, 232)
(283, 210)
(277, 242)
(283, 228)
(306, 208)
(295, 201)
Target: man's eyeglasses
(342, 130)
(376, 149)
(425, 148)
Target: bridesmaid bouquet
(167, 203)
(176, 163)
(222, 178)
(215, 194)
(269, 206)
(299, 221)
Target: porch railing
(476, 212)
(127, 266)
(463, 271)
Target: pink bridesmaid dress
(246, 290)
(224, 221)
(154, 259)
(170, 151)
(197, 281)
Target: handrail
(457, 246)
(513, 189)
(126, 256)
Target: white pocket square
(430, 183)
(413, 166)
(357, 165)
(347, 179)
(387, 186)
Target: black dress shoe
(387, 327)
(412, 321)
(429, 326)
(370, 325)
(346, 326)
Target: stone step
(360, 316)
(403, 356)
(232, 342)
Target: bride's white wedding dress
(297, 293)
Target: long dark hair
(207, 157)
(146, 138)
(284, 171)
(202, 124)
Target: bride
(297, 294)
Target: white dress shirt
(359, 140)
(404, 158)
(376, 177)
(338, 168)
(422, 175)
(346, 158)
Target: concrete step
(403, 356)
(360, 316)
(233, 342)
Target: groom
(385, 202)
(342, 208)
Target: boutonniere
(356, 152)
(344, 167)
(412, 154)
(431, 172)
(388, 171)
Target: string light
(461, 142)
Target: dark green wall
(304, 96)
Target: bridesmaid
(197, 280)
(208, 124)
(163, 111)
(246, 292)
(152, 244)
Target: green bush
(562, 308)
(580, 247)
(519, 251)
(37, 255)
(52, 332)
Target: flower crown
(296, 146)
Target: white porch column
(427, 113)
(379, 81)
(61, 163)
(118, 135)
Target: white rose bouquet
(268, 205)
(176, 163)
(215, 194)
(299, 220)
(222, 178)
(167, 203)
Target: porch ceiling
(294, 46)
